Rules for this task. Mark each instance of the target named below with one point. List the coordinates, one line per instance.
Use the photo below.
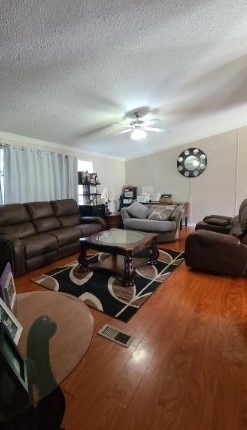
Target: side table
(57, 330)
(114, 220)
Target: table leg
(128, 271)
(153, 254)
(82, 260)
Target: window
(83, 166)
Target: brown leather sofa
(38, 233)
(220, 245)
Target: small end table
(114, 220)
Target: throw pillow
(161, 213)
(137, 210)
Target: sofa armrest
(12, 250)
(94, 219)
(124, 214)
(178, 217)
(221, 220)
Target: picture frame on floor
(7, 285)
(10, 322)
(11, 361)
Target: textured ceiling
(70, 70)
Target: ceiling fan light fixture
(138, 134)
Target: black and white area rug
(105, 291)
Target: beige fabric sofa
(161, 219)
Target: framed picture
(10, 322)
(11, 360)
(7, 284)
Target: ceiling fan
(138, 128)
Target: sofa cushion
(162, 213)
(149, 225)
(19, 231)
(66, 236)
(15, 213)
(67, 211)
(70, 220)
(15, 221)
(65, 207)
(46, 224)
(89, 229)
(137, 210)
(42, 215)
(39, 210)
(39, 244)
(217, 221)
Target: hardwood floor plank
(187, 369)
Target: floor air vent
(116, 335)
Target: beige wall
(220, 189)
(111, 171)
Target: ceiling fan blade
(122, 124)
(157, 130)
(151, 121)
(125, 131)
(94, 131)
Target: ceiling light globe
(138, 134)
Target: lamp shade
(138, 134)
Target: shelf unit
(128, 196)
(88, 194)
(88, 188)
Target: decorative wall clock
(192, 162)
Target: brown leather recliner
(224, 223)
(214, 250)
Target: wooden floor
(187, 369)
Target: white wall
(219, 190)
(111, 172)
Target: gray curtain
(35, 175)
(1, 173)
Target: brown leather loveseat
(38, 233)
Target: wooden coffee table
(122, 247)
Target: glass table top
(119, 236)
(57, 330)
